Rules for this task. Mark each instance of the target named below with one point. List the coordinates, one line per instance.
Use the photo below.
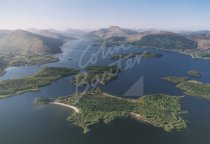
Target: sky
(94, 14)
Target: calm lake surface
(21, 122)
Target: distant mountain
(201, 37)
(3, 33)
(74, 33)
(142, 34)
(167, 41)
(25, 42)
(203, 41)
(67, 34)
(194, 33)
(113, 31)
(51, 33)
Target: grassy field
(32, 83)
(95, 106)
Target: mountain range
(20, 47)
(113, 31)
(52, 34)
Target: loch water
(22, 122)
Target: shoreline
(66, 105)
(184, 53)
(176, 51)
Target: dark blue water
(22, 122)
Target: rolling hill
(25, 42)
(52, 34)
(21, 48)
(113, 31)
(170, 41)
(76, 33)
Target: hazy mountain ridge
(186, 39)
(113, 31)
(19, 41)
(194, 33)
(21, 48)
(76, 33)
(52, 34)
(3, 33)
(69, 33)
(195, 44)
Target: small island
(32, 83)
(191, 87)
(137, 54)
(194, 73)
(175, 79)
(95, 106)
(96, 74)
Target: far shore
(185, 53)
(177, 51)
(66, 105)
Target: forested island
(194, 73)
(191, 87)
(94, 106)
(32, 83)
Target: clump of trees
(159, 110)
(34, 82)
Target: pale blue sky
(90, 14)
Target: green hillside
(167, 41)
(21, 48)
